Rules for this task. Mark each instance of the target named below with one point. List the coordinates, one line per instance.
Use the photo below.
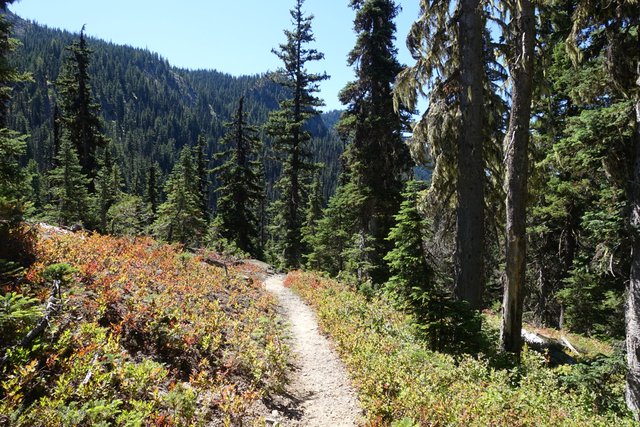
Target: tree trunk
(469, 257)
(516, 149)
(632, 309)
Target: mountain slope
(150, 108)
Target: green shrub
(600, 382)
(18, 314)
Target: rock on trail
(320, 393)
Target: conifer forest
(465, 230)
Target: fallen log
(220, 264)
(566, 342)
(553, 349)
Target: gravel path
(319, 393)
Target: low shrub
(142, 336)
(402, 383)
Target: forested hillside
(150, 108)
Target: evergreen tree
(241, 185)
(520, 60)
(80, 114)
(36, 186)
(8, 73)
(446, 324)
(128, 216)
(449, 51)
(313, 214)
(202, 175)
(291, 140)
(377, 159)
(333, 242)
(263, 214)
(12, 148)
(554, 213)
(151, 192)
(108, 185)
(180, 217)
(12, 202)
(69, 199)
(407, 262)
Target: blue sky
(233, 36)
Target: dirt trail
(320, 393)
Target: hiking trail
(319, 392)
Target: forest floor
(319, 392)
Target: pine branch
(50, 310)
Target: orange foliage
(142, 300)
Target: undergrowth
(402, 383)
(140, 335)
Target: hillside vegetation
(142, 334)
(402, 383)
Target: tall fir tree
(444, 323)
(80, 115)
(202, 175)
(447, 42)
(291, 139)
(69, 198)
(241, 185)
(313, 214)
(521, 39)
(377, 159)
(407, 260)
(108, 185)
(12, 149)
(180, 217)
